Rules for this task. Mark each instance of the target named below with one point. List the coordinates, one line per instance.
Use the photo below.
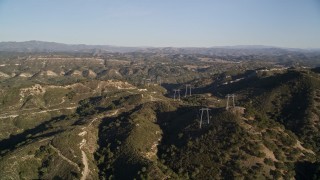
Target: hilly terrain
(129, 116)
(249, 52)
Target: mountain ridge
(44, 46)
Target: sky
(163, 23)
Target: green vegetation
(54, 126)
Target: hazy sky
(284, 23)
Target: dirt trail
(299, 145)
(9, 116)
(115, 112)
(268, 152)
(86, 170)
(65, 158)
(39, 112)
(62, 101)
(92, 121)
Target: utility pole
(188, 87)
(201, 117)
(176, 92)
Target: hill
(42, 46)
(138, 132)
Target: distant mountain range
(42, 46)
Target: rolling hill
(122, 131)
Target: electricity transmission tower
(201, 116)
(147, 82)
(159, 81)
(188, 89)
(143, 81)
(228, 98)
(176, 93)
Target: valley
(115, 115)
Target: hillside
(118, 116)
(138, 132)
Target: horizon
(258, 46)
(285, 24)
